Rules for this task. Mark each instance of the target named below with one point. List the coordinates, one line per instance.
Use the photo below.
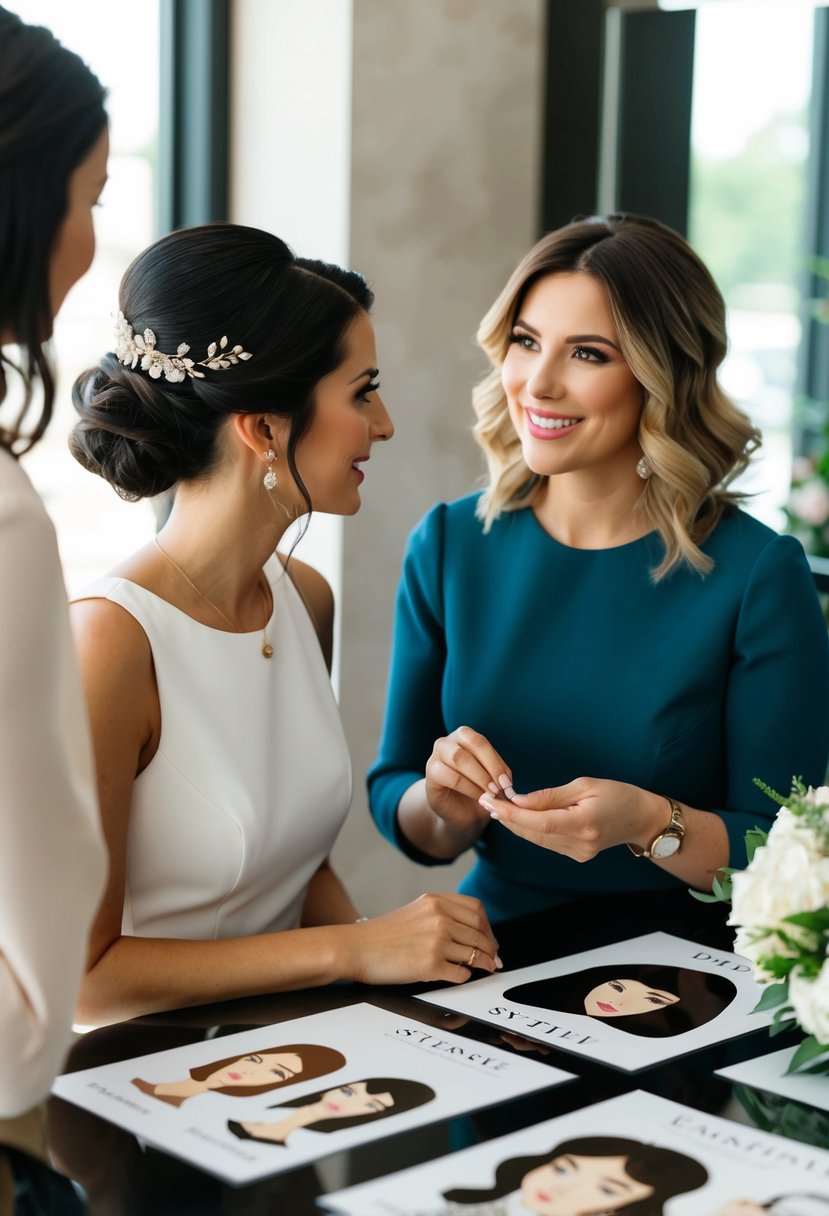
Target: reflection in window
(750, 143)
(95, 527)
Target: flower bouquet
(780, 909)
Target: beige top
(52, 856)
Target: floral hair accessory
(131, 347)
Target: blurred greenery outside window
(750, 148)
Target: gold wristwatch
(666, 843)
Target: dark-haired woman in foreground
(53, 159)
(246, 378)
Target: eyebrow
(572, 338)
(371, 372)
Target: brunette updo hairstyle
(51, 114)
(197, 286)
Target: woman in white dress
(246, 379)
(53, 155)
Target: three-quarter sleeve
(776, 714)
(413, 716)
(52, 856)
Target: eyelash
(616, 986)
(579, 352)
(371, 387)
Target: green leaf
(807, 1053)
(773, 995)
(755, 839)
(818, 920)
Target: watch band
(675, 829)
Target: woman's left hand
(582, 818)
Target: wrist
(666, 831)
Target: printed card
(635, 1153)
(769, 1074)
(247, 1105)
(631, 1005)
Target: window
(750, 143)
(96, 528)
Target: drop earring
(270, 479)
(643, 468)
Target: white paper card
(686, 1163)
(769, 1073)
(650, 999)
(334, 1080)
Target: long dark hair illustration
(348, 1105)
(641, 998)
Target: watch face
(665, 846)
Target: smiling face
(255, 1070)
(573, 400)
(353, 1099)
(349, 417)
(580, 1186)
(74, 246)
(620, 998)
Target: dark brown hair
(51, 114)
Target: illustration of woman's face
(266, 1069)
(578, 1186)
(353, 1099)
(620, 998)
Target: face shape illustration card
(247, 1105)
(631, 1005)
(637, 1154)
(768, 1072)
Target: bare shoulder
(318, 599)
(117, 668)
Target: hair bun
(127, 430)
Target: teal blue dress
(573, 663)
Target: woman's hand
(436, 937)
(462, 767)
(582, 818)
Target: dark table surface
(122, 1177)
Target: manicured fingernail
(493, 788)
(488, 805)
(498, 964)
(506, 785)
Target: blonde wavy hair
(670, 320)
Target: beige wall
(442, 104)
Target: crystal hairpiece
(131, 347)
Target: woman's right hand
(462, 767)
(435, 937)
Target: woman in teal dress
(602, 628)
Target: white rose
(784, 877)
(810, 1000)
(817, 797)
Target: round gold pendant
(267, 650)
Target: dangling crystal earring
(643, 468)
(270, 479)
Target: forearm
(705, 844)
(138, 975)
(428, 832)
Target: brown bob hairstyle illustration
(644, 999)
(348, 1105)
(608, 1173)
(244, 1076)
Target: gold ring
(472, 958)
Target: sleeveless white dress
(251, 781)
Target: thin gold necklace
(267, 649)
